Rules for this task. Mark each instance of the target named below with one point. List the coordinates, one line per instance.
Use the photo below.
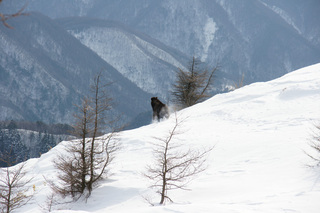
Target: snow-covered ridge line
(260, 133)
(144, 61)
(283, 15)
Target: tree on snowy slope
(192, 85)
(87, 158)
(14, 186)
(175, 164)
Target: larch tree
(175, 164)
(15, 190)
(191, 86)
(88, 157)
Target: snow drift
(260, 133)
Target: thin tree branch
(5, 17)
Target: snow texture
(260, 134)
(209, 29)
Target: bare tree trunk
(97, 113)
(9, 192)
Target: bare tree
(192, 85)
(101, 104)
(5, 17)
(14, 187)
(49, 203)
(315, 145)
(88, 157)
(175, 166)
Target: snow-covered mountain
(246, 37)
(262, 39)
(301, 15)
(258, 39)
(44, 71)
(260, 134)
(145, 61)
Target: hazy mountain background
(257, 37)
(45, 70)
(144, 41)
(145, 61)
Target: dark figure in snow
(160, 110)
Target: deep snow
(260, 132)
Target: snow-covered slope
(260, 133)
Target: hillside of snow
(260, 134)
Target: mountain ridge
(148, 63)
(257, 40)
(53, 60)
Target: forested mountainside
(145, 61)
(21, 140)
(44, 71)
(17, 145)
(259, 39)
